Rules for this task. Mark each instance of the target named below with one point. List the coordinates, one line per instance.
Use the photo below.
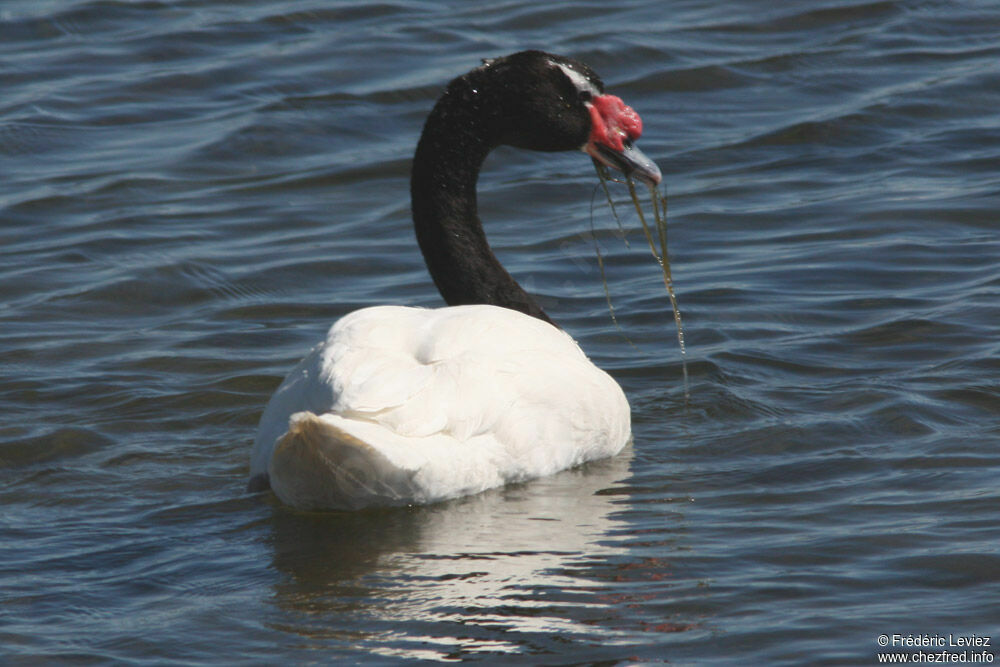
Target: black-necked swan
(407, 405)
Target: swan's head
(553, 103)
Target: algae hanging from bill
(660, 254)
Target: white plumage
(409, 405)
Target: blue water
(192, 192)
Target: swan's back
(431, 404)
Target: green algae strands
(660, 253)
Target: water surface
(193, 191)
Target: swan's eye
(585, 96)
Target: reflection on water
(481, 561)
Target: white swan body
(409, 405)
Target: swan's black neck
(462, 129)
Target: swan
(404, 405)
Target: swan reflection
(505, 564)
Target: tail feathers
(317, 465)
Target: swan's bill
(630, 161)
(614, 129)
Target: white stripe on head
(582, 83)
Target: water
(193, 191)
